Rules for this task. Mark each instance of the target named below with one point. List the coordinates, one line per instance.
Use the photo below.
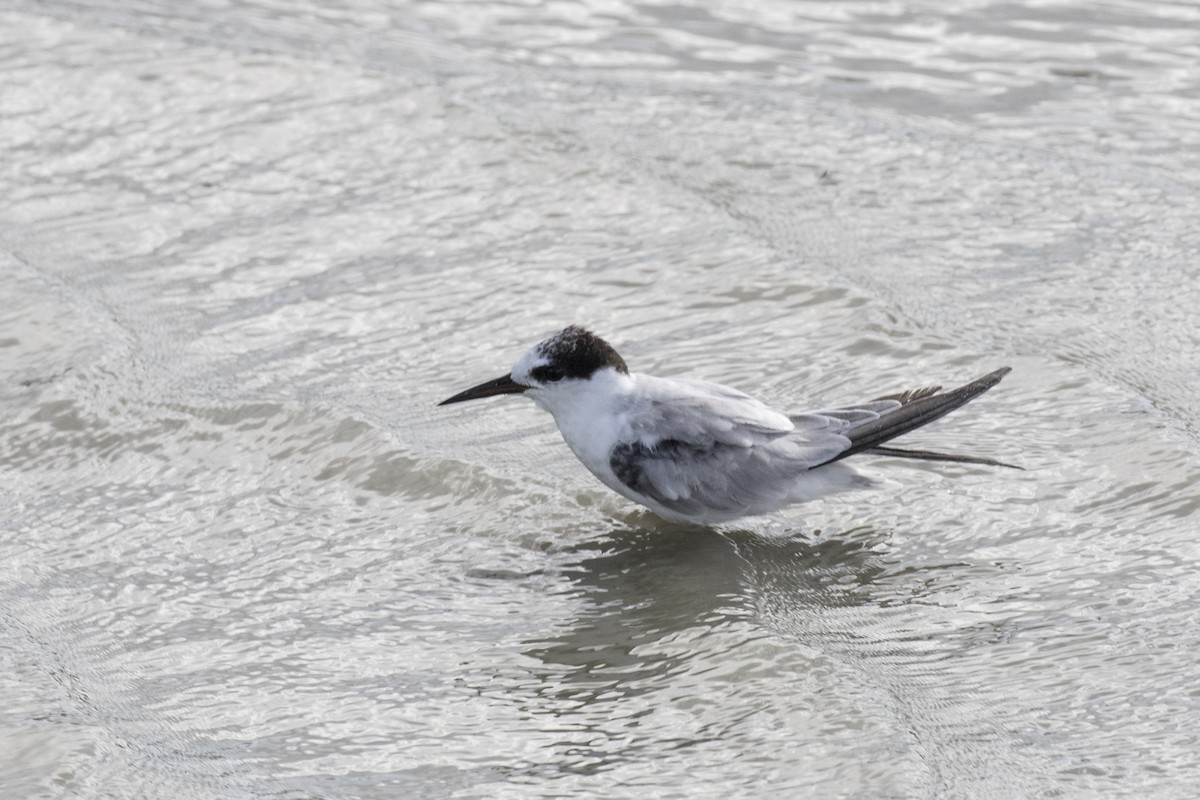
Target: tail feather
(929, 455)
(919, 408)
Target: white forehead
(529, 360)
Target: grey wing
(708, 475)
(746, 461)
(854, 416)
(916, 409)
(702, 413)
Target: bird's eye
(548, 374)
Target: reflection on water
(669, 624)
(644, 586)
(639, 589)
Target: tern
(700, 452)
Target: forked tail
(919, 408)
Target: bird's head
(552, 371)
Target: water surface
(246, 249)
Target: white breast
(593, 416)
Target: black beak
(505, 385)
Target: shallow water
(246, 249)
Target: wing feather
(704, 450)
(699, 448)
(702, 413)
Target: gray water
(246, 247)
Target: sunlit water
(246, 248)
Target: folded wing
(699, 448)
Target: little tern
(701, 452)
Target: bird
(698, 452)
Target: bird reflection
(643, 587)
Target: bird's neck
(592, 418)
